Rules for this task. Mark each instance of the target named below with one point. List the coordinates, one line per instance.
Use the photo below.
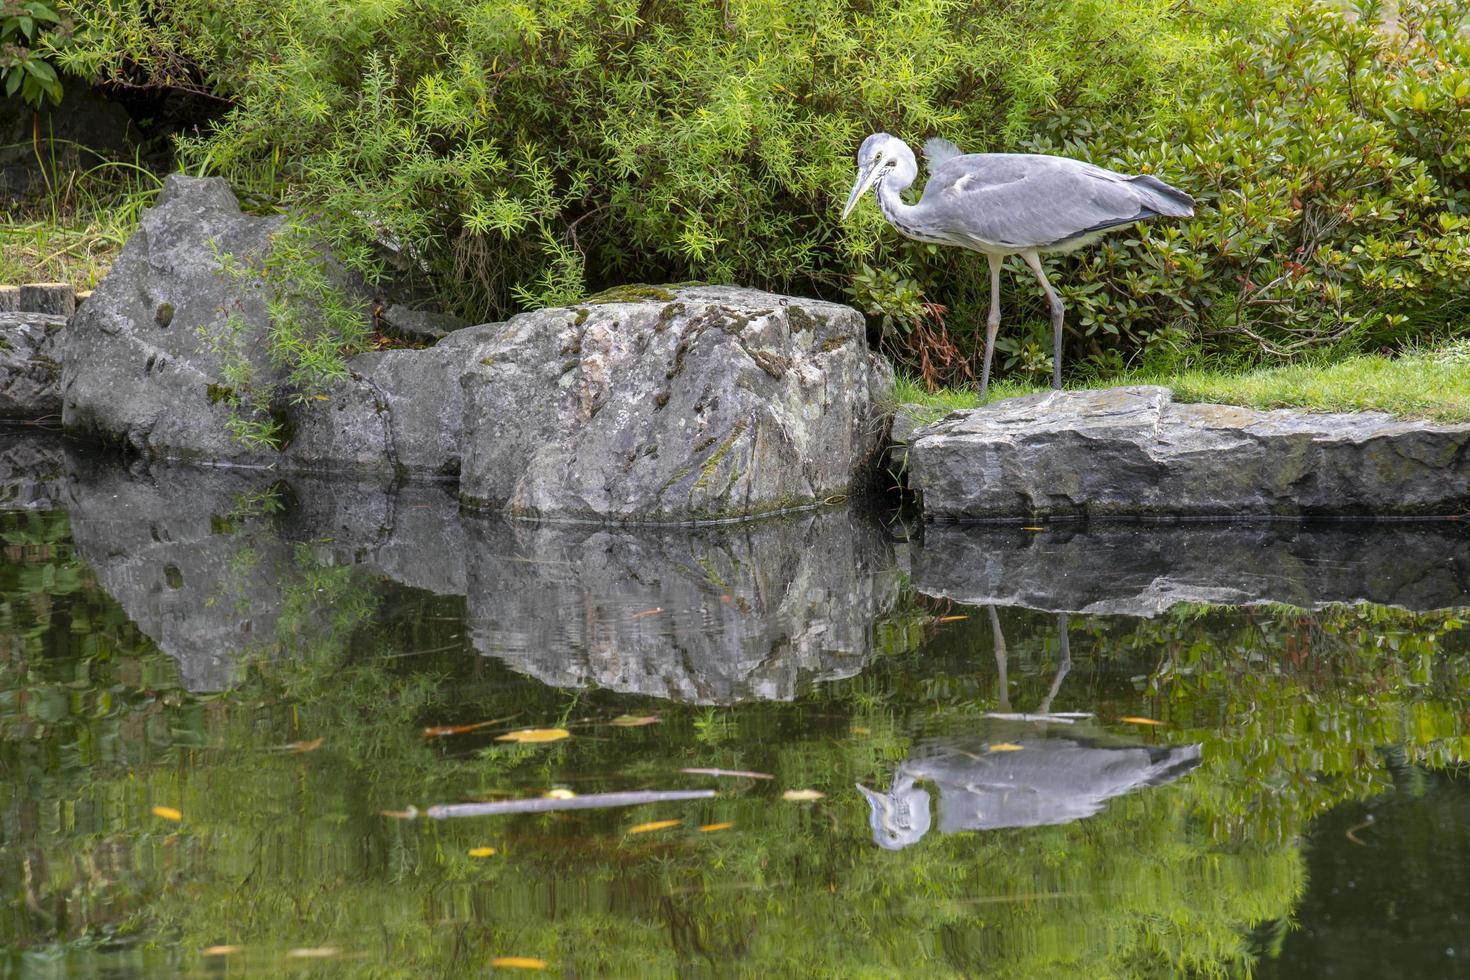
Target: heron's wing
(1016, 201)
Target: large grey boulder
(30, 365)
(1145, 569)
(700, 403)
(1136, 452)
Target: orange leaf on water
(535, 735)
(1140, 721)
(644, 828)
(519, 962)
(168, 813)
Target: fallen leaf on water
(439, 730)
(519, 962)
(222, 950)
(535, 735)
(168, 813)
(644, 828)
(312, 953)
(1005, 747)
(950, 619)
(1140, 721)
(482, 852)
(634, 721)
(710, 828)
(558, 794)
(802, 795)
(730, 773)
(647, 612)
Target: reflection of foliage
(282, 845)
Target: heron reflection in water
(1024, 770)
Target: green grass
(1431, 384)
(73, 232)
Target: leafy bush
(29, 31)
(525, 152)
(1330, 163)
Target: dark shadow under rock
(1143, 570)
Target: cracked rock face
(1135, 452)
(30, 364)
(706, 403)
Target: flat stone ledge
(1135, 452)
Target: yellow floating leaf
(559, 793)
(634, 721)
(519, 962)
(168, 813)
(644, 828)
(482, 852)
(1140, 721)
(312, 953)
(222, 950)
(710, 828)
(1005, 747)
(802, 795)
(534, 735)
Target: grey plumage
(1004, 204)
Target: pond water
(227, 701)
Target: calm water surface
(227, 699)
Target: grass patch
(1431, 385)
(73, 232)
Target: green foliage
(30, 33)
(1328, 159)
(315, 324)
(519, 154)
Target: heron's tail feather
(1168, 201)
(938, 150)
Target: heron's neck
(900, 215)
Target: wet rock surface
(1144, 570)
(1137, 452)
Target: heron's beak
(866, 179)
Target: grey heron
(1003, 204)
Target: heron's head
(899, 817)
(879, 156)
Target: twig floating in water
(592, 801)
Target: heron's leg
(1057, 312)
(1064, 664)
(1001, 659)
(992, 322)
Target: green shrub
(524, 152)
(1332, 171)
(30, 30)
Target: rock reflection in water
(206, 562)
(709, 615)
(1142, 570)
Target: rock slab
(1135, 452)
